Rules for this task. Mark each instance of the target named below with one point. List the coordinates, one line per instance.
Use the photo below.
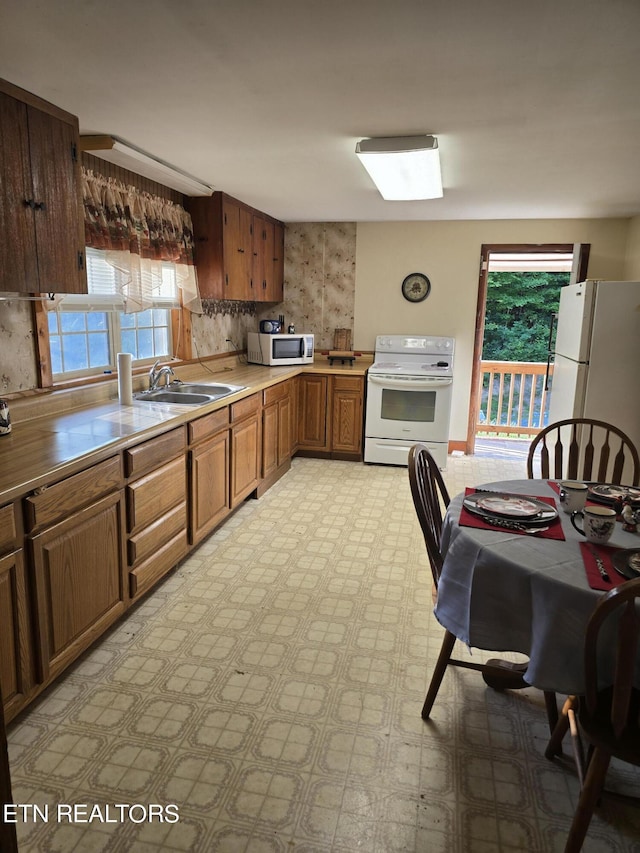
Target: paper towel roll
(125, 379)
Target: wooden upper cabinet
(234, 249)
(41, 214)
(237, 249)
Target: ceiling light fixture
(129, 157)
(404, 168)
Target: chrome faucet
(156, 375)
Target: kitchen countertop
(57, 434)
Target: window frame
(180, 331)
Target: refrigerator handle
(550, 353)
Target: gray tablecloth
(501, 591)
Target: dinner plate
(608, 493)
(627, 562)
(525, 509)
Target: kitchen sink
(213, 390)
(190, 394)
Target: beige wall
(449, 254)
(632, 255)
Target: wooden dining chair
(607, 716)
(584, 449)
(431, 499)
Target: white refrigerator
(596, 371)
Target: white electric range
(409, 389)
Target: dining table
(530, 591)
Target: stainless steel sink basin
(214, 390)
(162, 396)
(189, 394)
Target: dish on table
(626, 562)
(609, 493)
(525, 509)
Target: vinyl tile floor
(268, 693)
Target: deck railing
(513, 398)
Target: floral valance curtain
(139, 232)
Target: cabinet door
(346, 414)
(270, 430)
(55, 170)
(312, 425)
(285, 442)
(15, 645)
(266, 291)
(208, 230)
(42, 249)
(277, 286)
(18, 262)
(79, 568)
(237, 248)
(295, 414)
(209, 486)
(245, 459)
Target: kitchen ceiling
(536, 106)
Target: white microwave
(277, 350)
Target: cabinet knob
(39, 205)
(29, 202)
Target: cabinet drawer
(144, 544)
(275, 393)
(152, 496)
(244, 408)
(347, 383)
(8, 532)
(154, 452)
(148, 573)
(70, 495)
(208, 425)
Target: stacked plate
(626, 562)
(507, 510)
(606, 493)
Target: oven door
(413, 408)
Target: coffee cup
(573, 495)
(598, 523)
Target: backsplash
(17, 351)
(319, 291)
(320, 272)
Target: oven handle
(413, 384)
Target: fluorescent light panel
(129, 157)
(404, 168)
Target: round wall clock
(416, 287)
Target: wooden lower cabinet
(79, 573)
(331, 416)
(277, 432)
(312, 413)
(245, 447)
(209, 484)
(76, 554)
(16, 673)
(347, 415)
